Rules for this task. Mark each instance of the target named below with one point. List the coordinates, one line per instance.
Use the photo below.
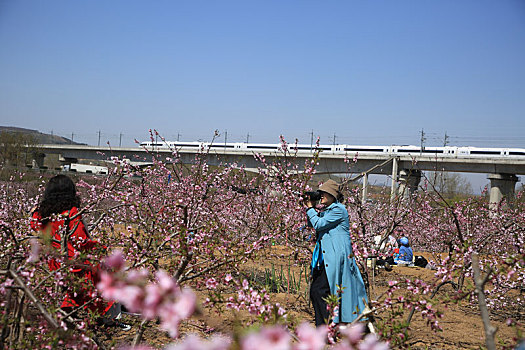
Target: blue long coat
(333, 232)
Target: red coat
(79, 242)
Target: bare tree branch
(480, 285)
(52, 322)
(183, 265)
(140, 332)
(10, 232)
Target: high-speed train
(446, 151)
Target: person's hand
(309, 203)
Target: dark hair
(60, 195)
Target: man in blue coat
(334, 270)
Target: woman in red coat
(58, 213)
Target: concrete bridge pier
(408, 182)
(501, 186)
(38, 160)
(364, 196)
(395, 175)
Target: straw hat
(331, 187)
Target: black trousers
(382, 261)
(318, 290)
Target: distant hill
(41, 138)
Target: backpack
(420, 261)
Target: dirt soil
(461, 323)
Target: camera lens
(314, 195)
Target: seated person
(405, 252)
(58, 208)
(386, 251)
(386, 246)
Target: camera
(314, 196)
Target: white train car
(86, 169)
(190, 145)
(172, 145)
(447, 151)
(479, 152)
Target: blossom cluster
(164, 298)
(246, 298)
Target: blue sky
(370, 72)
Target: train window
(485, 152)
(263, 147)
(514, 153)
(221, 146)
(364, 149)
(433, 151)
(407, 150)
(186, 145)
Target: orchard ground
(461, 323)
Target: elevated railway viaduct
(405, 169)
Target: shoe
(342, 327)
(388, 267)
(113, 323)
(123, 326)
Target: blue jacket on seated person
(405, 252)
